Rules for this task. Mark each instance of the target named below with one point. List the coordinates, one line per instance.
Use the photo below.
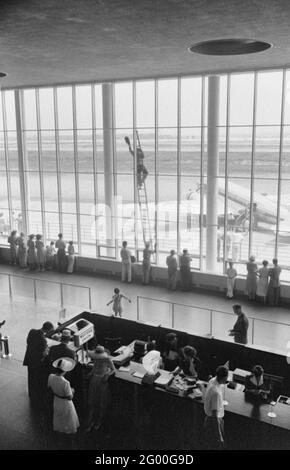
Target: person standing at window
(185, 273)
(40, 253)
(71, 257)
(171, 262)
(231, 279)
(125, 254)
(31, 254)
(251, 284)
(22, 251)
(274, 284)
(61, 256)
(146, 265)
(262, 284)
(12, 240)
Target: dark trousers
(185, 276)
(37, 386)
(211, 436)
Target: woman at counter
(256, 385)
(189, 364)
(65, 418)
(103, 367)
(170, 354)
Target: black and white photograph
(145, 229)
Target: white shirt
(125, 255)
(214, 398)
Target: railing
(211, 322)
(61, 293)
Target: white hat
(66, 364)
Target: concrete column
(22, 161)
(107, 92)
(212, 172)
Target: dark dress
(170, 359)
(240, 329)
(185, 273)
(34, 359)
(250, 387)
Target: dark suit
(240, 329)
(34, 359)
(60, 350)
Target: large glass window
(57, 176)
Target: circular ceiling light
(229, 47)
(3, 74)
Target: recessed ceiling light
(229, 47)
(3, 74)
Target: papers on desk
(164, 379)
(139, 375)
(124, 369)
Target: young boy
(117, 302)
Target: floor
(20, 429)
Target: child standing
(231, 274)
(50, 253)
(117, 302)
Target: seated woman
(256, 385)
(170, 354)
(189, 364)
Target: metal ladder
(143, 204)
(144, 214)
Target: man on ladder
(142, 171)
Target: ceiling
(66, 41)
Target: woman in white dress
(262, 285)
(40, 253)
(65, 418)
(71, 257)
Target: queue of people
(33, 255)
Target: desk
(176, 421)
(153, 418)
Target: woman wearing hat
(251, 285)
(12, 240)
(98, 388)
(22, 251)
(71, 257)
(60, 244)
(65, 418)
(31, 254)
(40, 252)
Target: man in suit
(62, 349)
(240, 329)
(34, 359)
